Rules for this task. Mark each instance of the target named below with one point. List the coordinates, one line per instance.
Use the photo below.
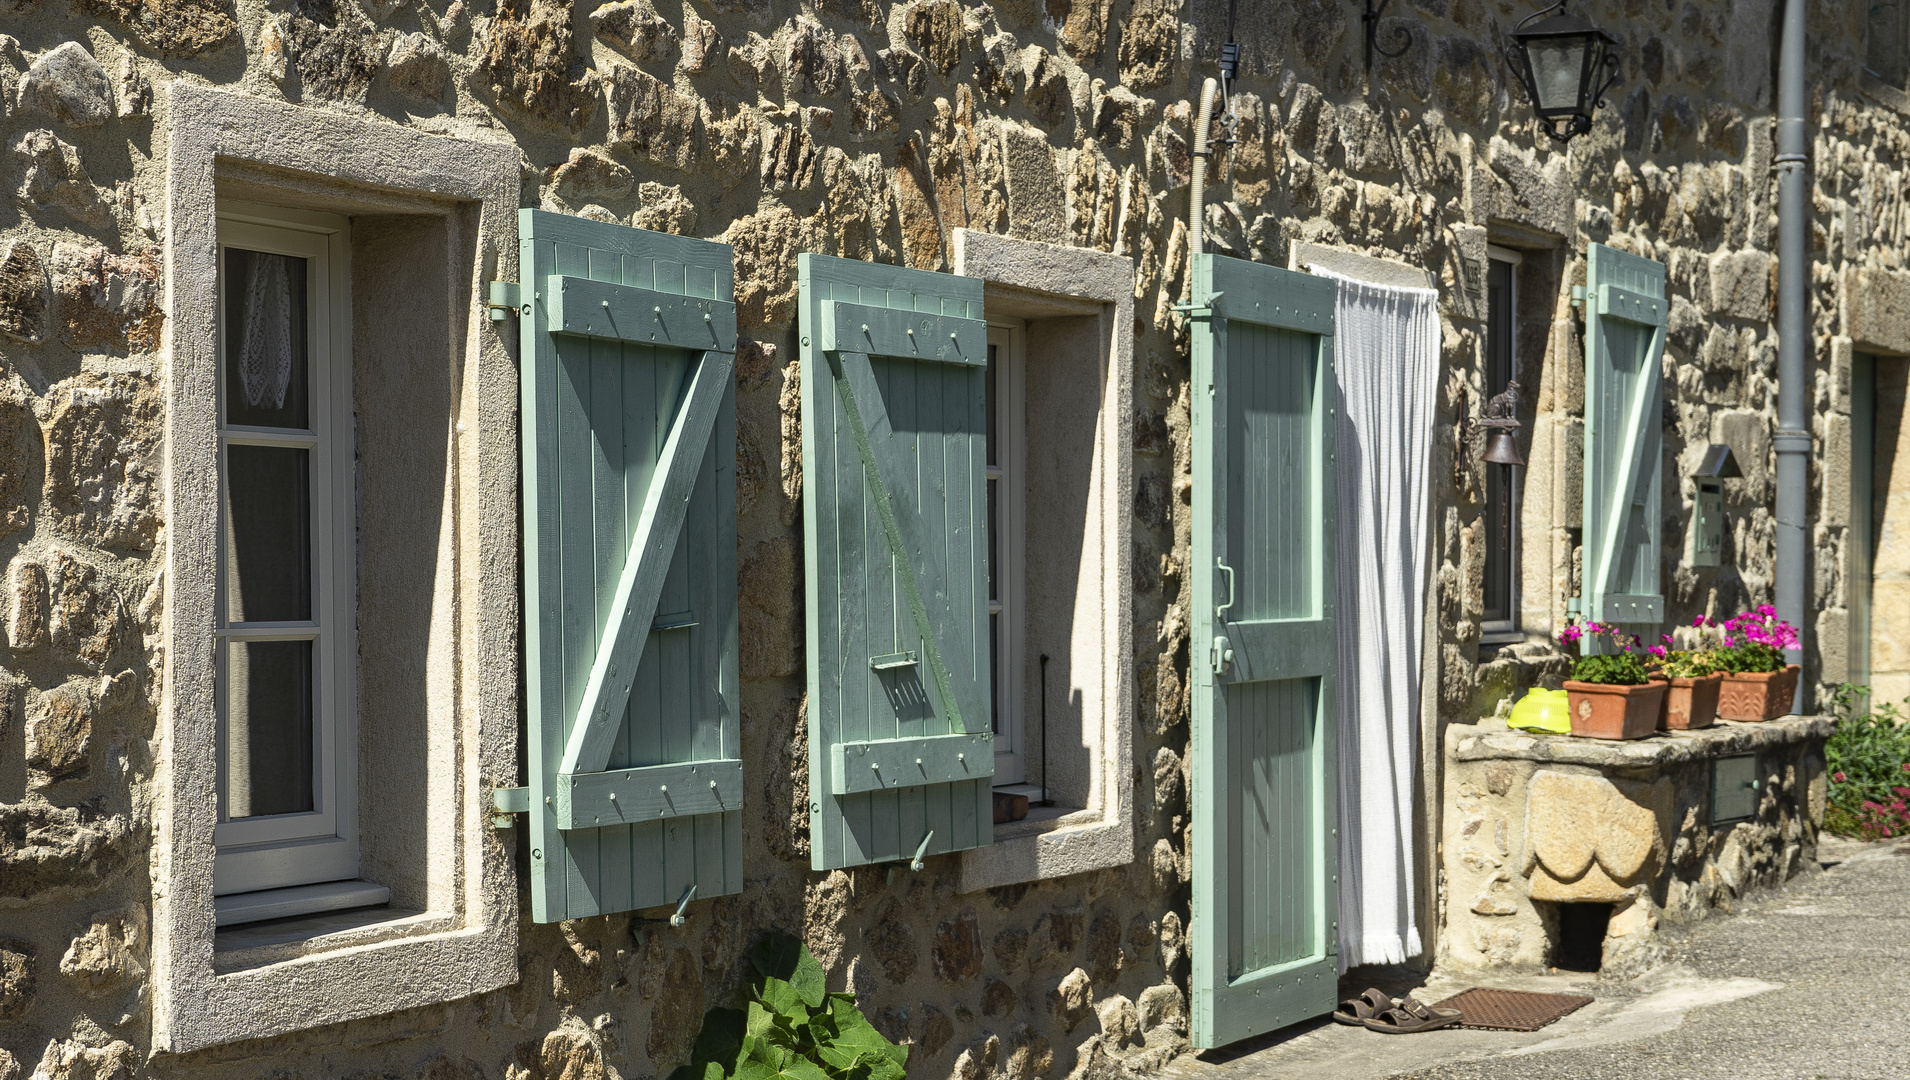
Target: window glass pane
(1501, 327)
(268, 512)
(994, 673)
(266, 370)
(1884, 41)
(268, 752)
(993, 380)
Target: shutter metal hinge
(506, 299)
(506, 801)
(1578, 296)
(1193, 309)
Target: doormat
(1511, 1010)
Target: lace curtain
(265, 337)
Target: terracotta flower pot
(1750, 697)
(1600, 711)
(1691, 703)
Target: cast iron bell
(1501, 423)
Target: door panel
(1265, 848)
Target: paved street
(1809, 981)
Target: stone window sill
(1072, 842)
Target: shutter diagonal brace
(1631, 467)
(852, 372)
(640, 585)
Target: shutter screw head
(658, 310)
(951, 336)
(712, 785)
(911, 331)
(606, 304)
(613, 796)
(665, 788)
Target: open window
(1061, 508)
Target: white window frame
(1007, 340)
(320, 845)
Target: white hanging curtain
(265, 337)
(1386, 358)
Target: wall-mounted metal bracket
(507, 801)
(676, 919)
(1371, 19)
(921, 849)
(505, 299)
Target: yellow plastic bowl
(1542, 710)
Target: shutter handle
(1220, 613)
(921, 849)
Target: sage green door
(1265, 853)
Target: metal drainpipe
(1197, 191)
(1793, 438)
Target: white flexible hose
(1198, 192)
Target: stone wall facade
(873, 130)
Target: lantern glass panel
(1558, 67)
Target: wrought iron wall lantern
(1566, 64)
(1371, 20)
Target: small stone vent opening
(1579, 941)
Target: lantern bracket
(1371, 19)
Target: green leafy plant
(791, 1028)
(1684, 664)
(1868, 755)
(1622, 668)
(1612, 669)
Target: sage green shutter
(1265, 858)
(1625, 317)
(636, 781)
(895, 530)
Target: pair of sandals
(1394, 1016)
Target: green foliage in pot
(1623, 668)
(1682, 664)
(791, 1028)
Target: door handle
(1220, 613)
(1223, 657)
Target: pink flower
(1657, 651)
(1838, 777)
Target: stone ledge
(1655, 751)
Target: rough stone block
(59, 736)
(1036, 209)
(417, 65)
(176, 27)
(52, 175)
(27, 619)
(635, 27)
(47, 851)
(650, 117)
(531, 63)
(16, 979)
(1120, 1022)
(74, 1060)
(106, 956)
(1070, 1001)
(67, 84)
(1163, 1005)
(23, 293)
(107, 300)
(1741, 285)
(99, 485)
(1876, 309)
(958, 949)
(1837, 451)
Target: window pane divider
(268, 437)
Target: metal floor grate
(1511, 1010)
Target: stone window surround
(1022, 279)
(464, 940)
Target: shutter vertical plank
(600, 407)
